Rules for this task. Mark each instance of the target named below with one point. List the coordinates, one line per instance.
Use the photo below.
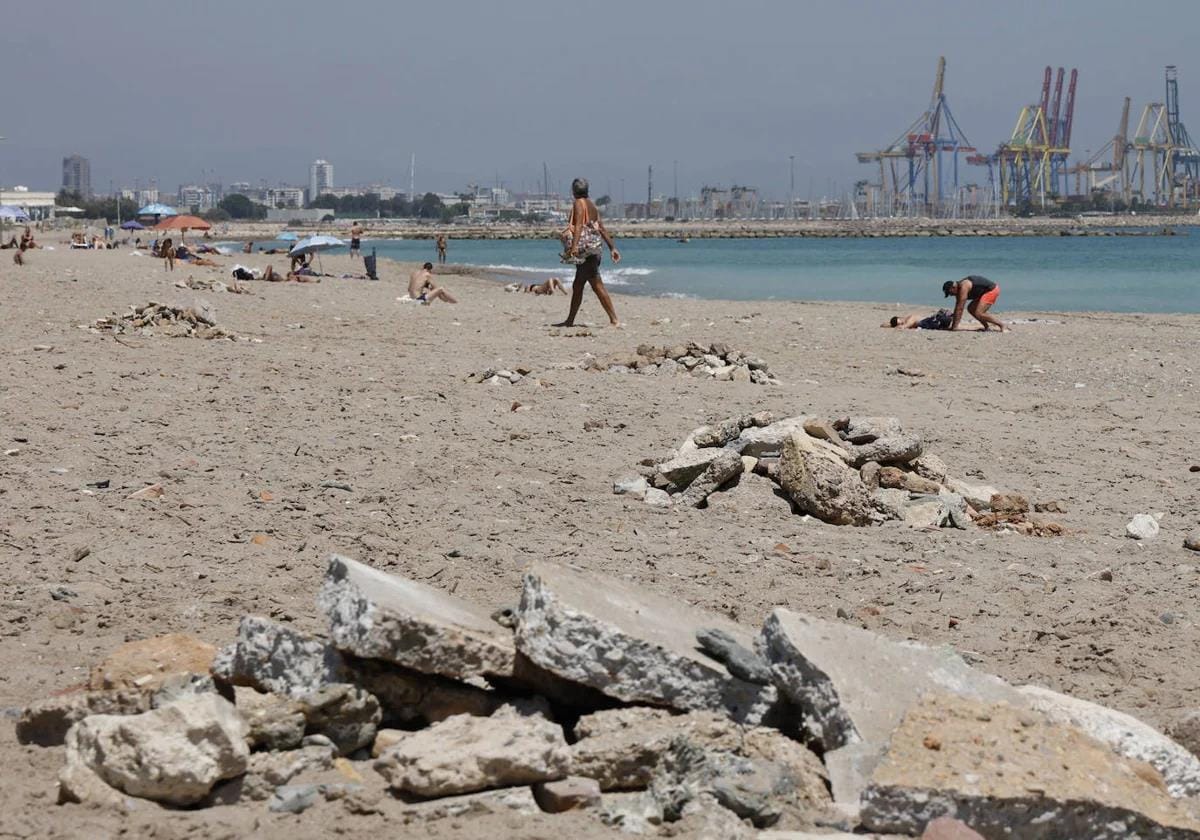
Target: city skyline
(707, 94)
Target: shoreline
(1165, 225)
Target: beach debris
(151, 491)
(1192, 541)
(162, 319)
(148, 663)
(500, 376)
(851, 471)
(564, 610)
(714, 361)
(173, 755)
(210, 284)
(633, 486)
(1143, 526)
(674, 715)
(946, 750)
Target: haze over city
(484, 92)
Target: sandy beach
(462, 484)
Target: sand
(1096, 411)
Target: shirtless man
(422, 289)
(441, 248)
(356, 233)
(548, 288)
(939, 320)
(981, 294)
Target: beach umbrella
(15, 214)
(158, 210)
(133, 224)
(315, 245)
(183, 224)
(287, 236)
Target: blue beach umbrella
(16, 214)
(158, 210)
(132, 224)
(315, 245)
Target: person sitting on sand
(27, 239)
(19, 257)
(421, 287)
(248, 248)
(981, 294)
(548, 288)
(939, 320)
(587, 238)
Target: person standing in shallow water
(583, 240)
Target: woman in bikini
(587, 236)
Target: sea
(1036, 274)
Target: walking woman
(583, 240)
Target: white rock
(174, 754)
(633, 485)
(464, 754)
(1143, 526)
(658, 498)
(978, 496)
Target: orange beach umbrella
(183, 223)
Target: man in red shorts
(977, 294)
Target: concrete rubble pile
(501, 376)
(592, 693)
(852, 471)
(163, 319)
(712, 361)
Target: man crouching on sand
(422, 289)
(981, 292)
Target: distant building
(284, 197)
(320, 178)
(196, 198)
(77, 175)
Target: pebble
(1192, 541)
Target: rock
(823, 430)
(621, 748)
(272, 657)
(832, 672)
(749, 464)
(294, 799)
(761, 377)
(345, 714)
(629, 643)
(870, 473)
(891, 504)
(929, 466)
(978, 496)
(464, 754)
(174, 754)
(740, 374)
(569, 794)
(821, 484)
(1053, 781)
(635, 813)
(686, 465)
(376, 615)
(668, 367)
(273, 722)
(713, 360)
(1143, 526)
(77, 783)
(767, 441)
(146, 663)
(717, 434)
(1009, 503)
(739, 661)
(634, 486)
(385, 738)
(880, 439)
(724, 373)
(658, 498)
(1124, 734)
(930, 514)
(513, 800)
(948, 828)
(46, 722)
(411, 698)
(266, 771)
(719, 472)
(677, 352)
(176, 687)
(1050, 507)
(898, 479)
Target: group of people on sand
(25, 243)
(974, 293)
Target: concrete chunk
(854, 685)
(630, 644)
(464, 754)
(719, 472)
(379, 616)
(1124, 734)
(820, 483)
(275, 658)
(1010, 772)
(46, 722)
(687, 464)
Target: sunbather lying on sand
(205, 261)
(939, 320)
(548, 288)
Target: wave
(612, 276)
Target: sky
(487, 92)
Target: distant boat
(683, 241)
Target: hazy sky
(250, 90)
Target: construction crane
(918, 171)
(1163, 149)
(1032, 165)
(1105, 170)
